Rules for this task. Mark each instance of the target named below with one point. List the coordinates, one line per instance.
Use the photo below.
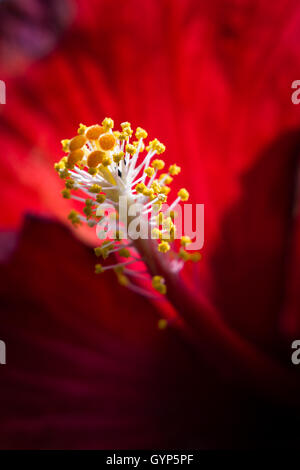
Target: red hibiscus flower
(87, 366)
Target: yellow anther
(95, 188)
(163, 247)
(94, 132)
(63, 174)
(74, 218)
(149, 171)
(165, 190)
(158, 283)
(183, 194)
(148, 192)
(81, 129)
(98, 251)
(92, 171)
(87, 210)
(162, 289)
(156, 146)
(124, 252)
(126, 128)
(184, 255)
(125, 125)
(160, 148)
(77, 142)
(158, 164)
(195, 257)
(65, 145)
(156, 233)
(118, 157)
(152, 196)
(100, 198)
(156, 186)
(107, 124)
(140, 187)
(122, 136)
(106, 161)
(117, 134)
(107, 142)
(98, 268)
(75, 157)
(162, 324)
(105, 252)
(167, 179)
(174, 170)
(70, 184)
(123, 280)
(95, 158)
(59, 166)
(185, 240)
(66, 193)
(130, 149)
(157, 280)
(141, 133)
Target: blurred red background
(86, 365)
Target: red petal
(86, 363)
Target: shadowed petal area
(29, 30)
(88, 368)
(258, 244)
(86, 364)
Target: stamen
(102, 164)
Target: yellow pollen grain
(94, 132)
(100, 198)
(81, 129)
(164, 247)
(95, 188)
(158, 164)
(95, 158)
(107, 142)
(174, 170)
(77, 142)
(75, 156)
(107, 124)
(183, 194)
(162, 324)
(141, 133)
(149, 171)
(65, 145)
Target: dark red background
(86, 365)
